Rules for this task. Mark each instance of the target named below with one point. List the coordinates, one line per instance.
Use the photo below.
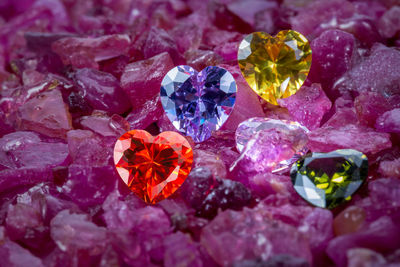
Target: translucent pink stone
(248, 129)
(46, 114)
(308, 105)
(378, 72)
(246, 229)
(382, 234)
(371, 105)
(89, 186)
(83, 234)
(247, 102)
(317, 17)
(269, 145)
(86, 52)
(332, 55)
(389, 23)
(159, 41)
(389, 122)
(364, 139)
(141, 80)
(390, 168)
(86, 148)
(26, 149)
(106, 126)
(102, 91)
(151, 112)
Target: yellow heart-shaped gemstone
(275, 67)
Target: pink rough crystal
(102, 91)
(363, 256)
(364, 139)
(377, 73)
(188, 255)
(87, 52)
(345, 113)
(11, 179)
(381, 235)
(308, 105)
(267, 184)
(389, 122)
(246, 229)
(21, 149)
(225, 19)
(390, 168)
(75, 74)
(371, 105)
(86, 148)
(159, 41)
(267, 151)
(389, 23)
(332, 56)
(89, 186)
(187, 36)
(247, 10)
(103, 125)
(46, 114)
(151, 112)
(199, 59)
(338, 14)
(247, 103)
(15, 255)
(211, 161)
(83, 235)
(141, 80)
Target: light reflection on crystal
(198, 103)
(250, 127)
(278, 158)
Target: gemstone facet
(153, 167)
(275, 67)
(247, 129)
(293, 132)
(328, 179)
(198, 103)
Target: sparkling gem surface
(153, 167)
(293, 132)
(247, 129)
(327, 180)
(275, 67)
(198, 103)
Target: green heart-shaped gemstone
(328, 179)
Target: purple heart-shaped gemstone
(198, 103)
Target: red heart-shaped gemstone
(153, 167)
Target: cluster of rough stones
(75, 74)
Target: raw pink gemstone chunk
(308, 105)
(351, 136)
(86, 52)
(332, 56)
(102, 90)
(270, 145)
(47, 114)
(389, 122)
(141, 80)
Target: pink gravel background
(75, 74)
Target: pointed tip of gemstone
(327, 180)
(198, 103)
(275, 67)
(153, 167)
